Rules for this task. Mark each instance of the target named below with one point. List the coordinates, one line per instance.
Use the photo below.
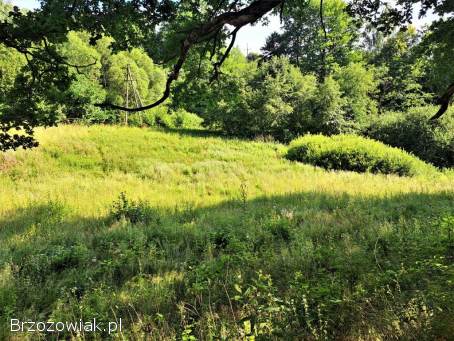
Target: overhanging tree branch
(218, 64)
(237, 19)
(444, 101)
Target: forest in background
(347, 77)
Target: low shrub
(184, 119)
(159, 117)
(431, 141)
(165, 118)
(135, 212)
(355, 153)
(136, 120)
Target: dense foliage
(401, 74)
(335, 41)
(164, 118)
(306, 43)
(354, 153)
(274, 99)
(432, 141)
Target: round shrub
(355, 153)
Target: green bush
(357, 83)
(431, 141)
(163, 117)
(267, 103)
(354, 153)
(184, 119)
(136, 120)
(155, 117)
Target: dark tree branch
(78, 67)
(215, 44)
(167, 60)
(218, 65)
(50, 57)
(281, 12)
(237, 19)
(444, 101)
(173, 75)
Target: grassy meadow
(187, 236)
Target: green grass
(217, 238)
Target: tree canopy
(307, 44)
(170, 32)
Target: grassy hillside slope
(217, 238)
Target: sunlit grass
(87, 167)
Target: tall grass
(216, 238)
(87, 167)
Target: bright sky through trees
(249, 39)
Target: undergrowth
(192, 237)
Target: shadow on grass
(194, 132)
(391, 208)
(206, 133)
(62, 261)
(22, 221)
